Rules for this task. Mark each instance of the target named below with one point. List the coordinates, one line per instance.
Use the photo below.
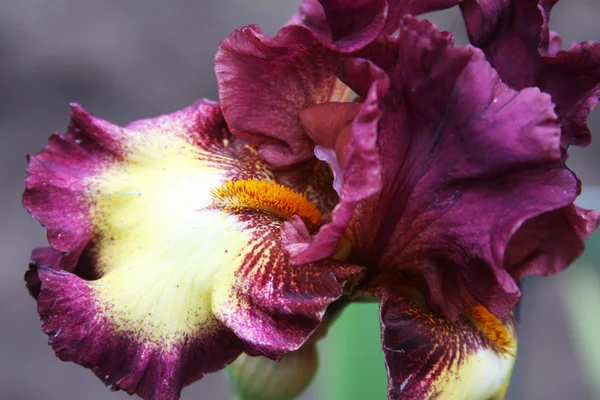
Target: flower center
(493, 329)
(267, 196)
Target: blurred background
(125, 60)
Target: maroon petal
(265, 82)
(511, 33)
(428, 356)
(276, 311)
(573, 79)
(356, 157)
(55, 190)
(516, 40)
(465, 161)
(348, 25)
(343, 25)
(546, 244)
(45, 257)
(75, 321)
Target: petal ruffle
(465, 161)
(81, 330)
(45, 257)
(349, 26)
(546, 244)
(516, 40)
(264, 83)
(54, 194)
(573, 79)
(428, 356)
(512, 34)
(276, 312)
(345, 26)
(166, 269)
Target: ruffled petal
(573, 79)
(511, 33)
(547, 244)
(46, 257)
(130, 353)
(343, 25)
(428, 356)
(181, 226)
(276, 312)
(264, 83)
(54, 194)
(465, 162)
(516, 40)
(350, 25)
(356, 156)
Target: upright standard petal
(356, 156)
(430, 357)
(466, 161)
(299, 112)
(264, 83)
(516, 40)
(572, 77)
(176, 227)
(348, 26)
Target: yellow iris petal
(162, 244)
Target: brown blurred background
(125, 60)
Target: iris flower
(181, 242)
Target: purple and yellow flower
(180, 242)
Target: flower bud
(260, 378)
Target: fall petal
(176, 236)
(427, 356)
(137, 358)
(276, 311)
(42, 257)
(52, 181)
